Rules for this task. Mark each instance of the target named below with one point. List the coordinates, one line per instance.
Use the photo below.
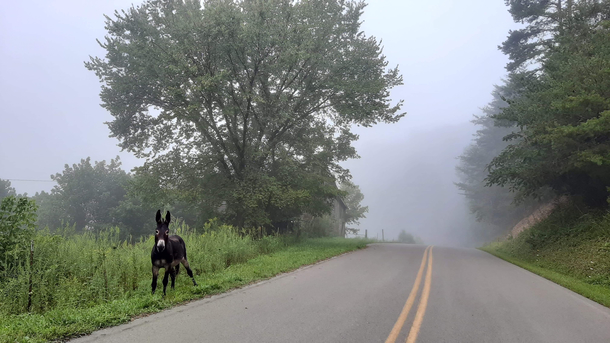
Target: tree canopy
(546, 22)
(6, 189)
(85, 196)
(246, 104)
(88, 191)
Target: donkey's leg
(177, 269)
(173, 275)
(185, 263)
(166, 278)
(155, 272)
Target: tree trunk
(560, 16)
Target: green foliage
(545, 131)
(528, 45)
(84, 270)
(91, 281)
(564, 120)
(545, 23)
(102, 195)
(247, 104)
(596, 293)
(85, 195)
(574, 243)
(51, 211)
(6, 189)
(145, 195)
(17, 218)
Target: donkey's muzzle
(160, 245)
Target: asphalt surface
(463, 295)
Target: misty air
(305, 170)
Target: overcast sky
(446, 50)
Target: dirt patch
(537, 216)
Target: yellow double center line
(423, 303)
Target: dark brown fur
(168, 252)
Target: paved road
(463, 295)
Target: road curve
(455, 295)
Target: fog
(412, 188)
(446, 50)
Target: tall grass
(80, 271)
(85, 282)
(571, 247)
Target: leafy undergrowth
(61, 322)
(571, 248)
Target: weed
(87, 281)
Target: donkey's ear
(167, 218)
(158, 217)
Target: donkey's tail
(183, 247)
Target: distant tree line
(547, 130)
(94, 196)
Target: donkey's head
(162, 233)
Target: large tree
(245, 103)
(564, 121)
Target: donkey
(168, 252)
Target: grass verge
(570, 248)
(597, 293)
(67, 322)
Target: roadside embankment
(571, 247)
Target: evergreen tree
(564, 120)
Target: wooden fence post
(31, 272)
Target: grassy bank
(82, 283)
(571, 248)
